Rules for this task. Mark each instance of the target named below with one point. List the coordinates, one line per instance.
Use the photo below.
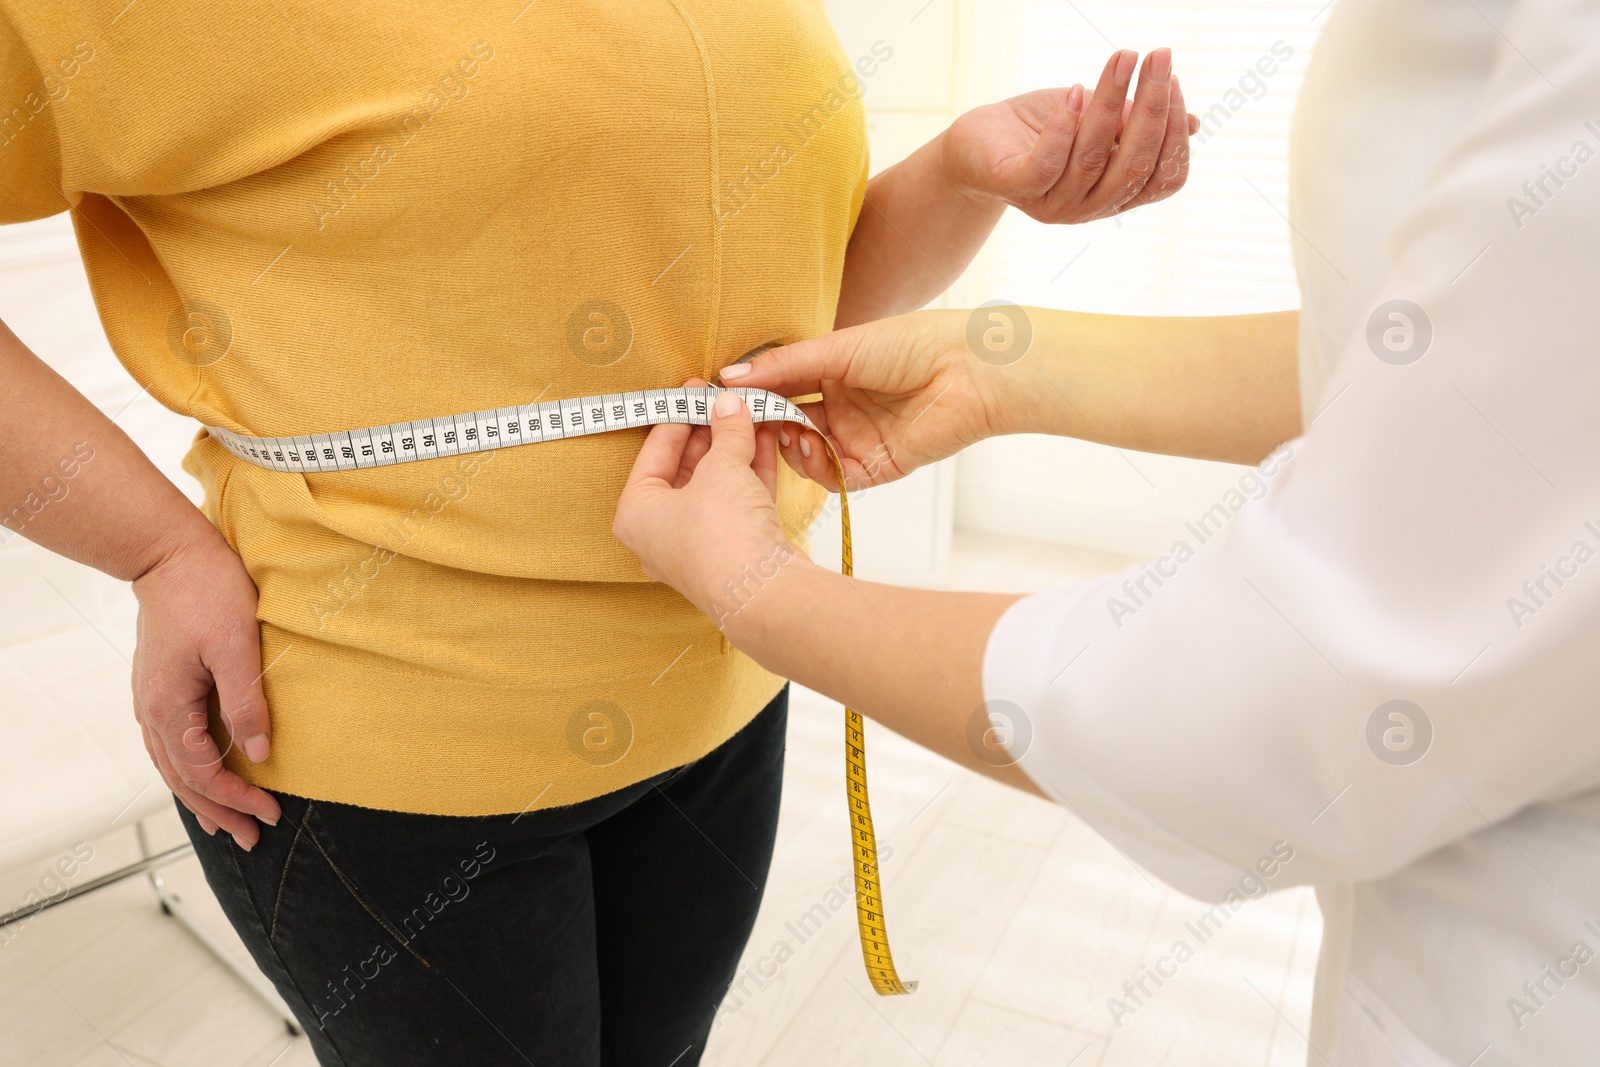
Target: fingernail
(736, 370)
(1075, 98)
(256, 747)
(1124, 72)
(273, 821)
(728, 403)
(1160, 65)
(783, 439)
(805, 447)
(244, 846)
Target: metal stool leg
(250, 976)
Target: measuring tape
(557, 420)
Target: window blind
(1221, 246)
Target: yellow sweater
(303, 216)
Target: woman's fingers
(807, 455)
(800, 369)
(1097, 133)
(765, 463)
(1139, 148)
(817, 412)
(671, 451)
(1127, 109)
(198, 763)
(242, 828)
(197, 667)
(1048, 159)
(789, 449)
(237, 675)
(693, 452)
(662, 455)
(172, 700)
(1172, 167)
(814, 459)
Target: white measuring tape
(557, 420)
(481, 431)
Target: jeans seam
(273, 948)
(679, 773)
(277, 902)
(350, 888)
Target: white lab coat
(1433, 537)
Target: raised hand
(1066, 155)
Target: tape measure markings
(481, 431)
(558, 420)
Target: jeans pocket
(319, 847)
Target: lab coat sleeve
(1433, 538)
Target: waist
(539, 512)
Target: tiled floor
(1018, 921)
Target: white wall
(902, 531)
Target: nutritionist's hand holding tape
(897, 393)
(704, 520)
(695, 511)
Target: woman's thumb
(733, 434)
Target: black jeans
(601, 933)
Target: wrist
(1007, 394)
(951, 176)
(1018, 399)
(190, 538)
(1024, 396)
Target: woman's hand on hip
(1067, 155)
(700, 511)
(199, 645)
(897, 394)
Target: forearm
(1221, 388)
(914, 237)
(114, 511)
(911, 659)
